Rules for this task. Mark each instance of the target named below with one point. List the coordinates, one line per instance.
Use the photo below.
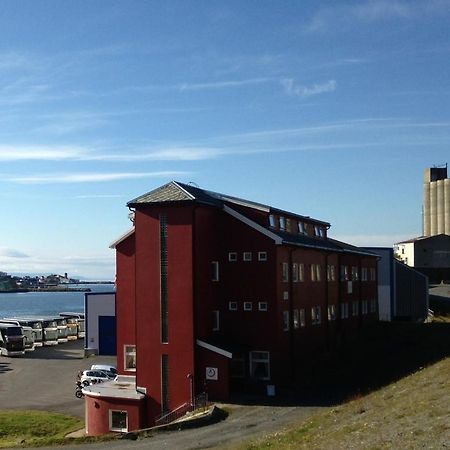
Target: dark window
(163, 267)
(164, 384)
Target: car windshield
(13, 331)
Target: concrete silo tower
(436, 201)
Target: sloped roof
(422, 238)
(178, 192)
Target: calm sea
(47, 303)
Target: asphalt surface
(45, 380)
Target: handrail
(201, 401)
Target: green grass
(410, 413)
(35, 428)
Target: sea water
(47, 303)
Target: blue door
(106, 335)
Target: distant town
(53, 282)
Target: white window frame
(318, 272)
(286, 318)
(282, 223)
(232, 306)
(316, 315)
(331, 312)
(232, 256)
(247, 256)
(364, 307)
(295, 273)
(301, 272)
(128, 352)
(302, 318)
(216, 320)
(263, 306)
(272, 221)
(344, 310)
(301, 227)
(248, 306)
(285, 272)
(285, 295)
(262, 256)
(296, 319)
(121, 430)
(252, 362)
(215, 271)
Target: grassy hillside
(413, 412)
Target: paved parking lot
(45, 379)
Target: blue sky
(326, 108)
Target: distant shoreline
(45, 289)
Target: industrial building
(220, 294)
(436, 202)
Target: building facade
(436, 202)
(218, 294)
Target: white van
(105, 367)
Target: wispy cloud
(292, 88)
(89, 196)
(12, 253)
(223, 84)
(372, 11)
(23, 153)
(374, 240)
(90, 177)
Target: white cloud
(222, 84)
(90, 177)
(292, 88)
(373, 11)
(12, 253)
(22, 153)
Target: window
(331, 273)
(355, 273)
(238, 366)
(363, 273)
(285, 272)
(164, 383)
(316, 231)
(355, 308)
(344, 273)
(295, 272)
(331, 312)
(373, 274)
(365, 307)
(296, 319)
(282, 223)
(322, 232)
(315, 272)
(232, 306)
(216, 321)
(272, 221)
(118, 420)
(248, 306)
(164, 292)
(301, 272)
(344, 310)
(285, 295)
(301, 228)
(349, 287)
(215, 271)
(302, 318)
(262, 256)
(247, 256)
(373, 305)
(130, 357)
(316, 315)
(260, 365)
(262, 306)
(288, 225)
(285, 320)
(232, 256)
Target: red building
(217, 293)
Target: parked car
(96, 376)
(106, 367)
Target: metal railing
(198, 403)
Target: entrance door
(107, 335)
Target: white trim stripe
(253, 225)
(214, 349)
(184, 190)
(122, 238)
